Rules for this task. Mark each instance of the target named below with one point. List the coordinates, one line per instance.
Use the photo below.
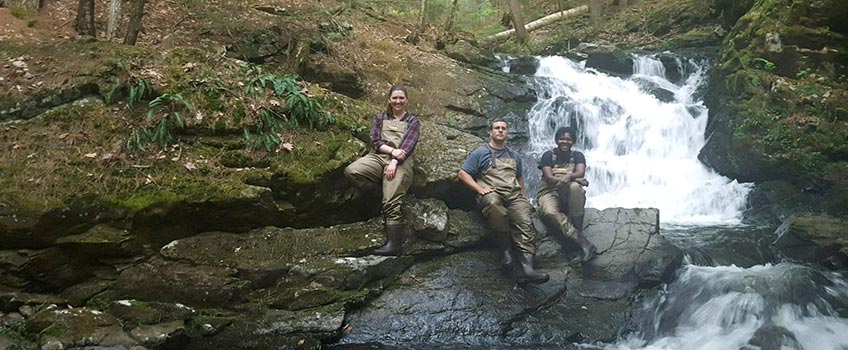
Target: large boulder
(818, 239)
(775, 100)
(460, 299)
(631, 252)
(70, 328)
(466, 299)
(438, 157)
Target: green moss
(22, 12)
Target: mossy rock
(775, 97)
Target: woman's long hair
(394, 88)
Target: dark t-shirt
(480, 159)
(573, 157)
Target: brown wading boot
(526, 271)
(394, 241)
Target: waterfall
(641, 136)
(783, 306)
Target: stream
(641, 136)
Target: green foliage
(16, 331)
(305, 108)
(803, 73)
(138, 91)
(267, 120)
(109, 97)
(268, 127)
(763, 63)
(163, 114)
(257, 82)
(98, 303)
(22, 12)
(824, 30)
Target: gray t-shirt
(480, 159)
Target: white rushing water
(640, 151)
(765, 307)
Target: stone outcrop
(776, 101)
(818, 239)
(465, 299)
(297, 288)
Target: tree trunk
(517, 22)
(116, 13)
(597, 8)
(422, 15)
(451, 16)
(134, 26)
(85, 18)
(541, 22)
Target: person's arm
(469, 182)
(391, 169)
(376, 133)
(410, 138)
(579, 171)
(548, 175)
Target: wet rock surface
(818, 239)
(297, 288)
(467, 299)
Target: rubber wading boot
(527, 273)
(587, 248)
(394, 241)
(507, 260)
(505, 248)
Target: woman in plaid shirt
(394, 135)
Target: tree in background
(84, 24)
(135, 22)
(517, 21)
(115, 14)
(451, 16)
(422, 16)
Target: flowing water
(641, 136)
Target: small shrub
(763, 63)
(803, 73)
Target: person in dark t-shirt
(561, 196)
(493, 171)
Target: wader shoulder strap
(492, 156)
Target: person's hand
(391, 169)
(564, 180)
(485, 190)
(399, 154)
(582, 181)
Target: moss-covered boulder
(438, 157)
(818, 239)
(69, 328)
(776, 96)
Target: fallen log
(541, 22)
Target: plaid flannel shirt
(410, 138)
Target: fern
(139, 91)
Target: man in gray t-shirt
(493, 171)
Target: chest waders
(563, 207)
(509, 215)
(369, 171)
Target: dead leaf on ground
(190, 166)
(287, 146)
(91, 155)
